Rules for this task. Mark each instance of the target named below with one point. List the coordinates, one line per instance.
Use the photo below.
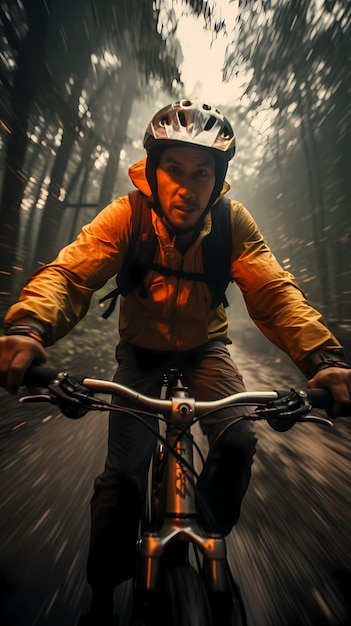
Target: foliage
(68, 69)
(294, 58)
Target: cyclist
(189, 145)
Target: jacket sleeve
(274, 300)
(59, 294)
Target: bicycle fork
(179, 517)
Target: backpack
(139, 258)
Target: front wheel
(181, 600)
(228, 608)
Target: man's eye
(202, 173)
(172, 169)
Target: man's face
(185, 180)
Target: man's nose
(186, 190)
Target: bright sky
(203, 59)
(201, 70)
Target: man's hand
(17, 353)
(338, 381)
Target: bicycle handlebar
(75, 397)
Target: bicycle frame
(180, 516)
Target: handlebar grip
(320, 398)
(39, 376)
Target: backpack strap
(139, 256)
(217, 251)
(142, 248)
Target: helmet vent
(165, 121)
(210, 123)
(226, 132)
(182, 119)
(206, 107)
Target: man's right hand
(17, 353)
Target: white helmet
(191, 122)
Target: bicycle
(183, 576)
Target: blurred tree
(21, 73)
(294, 57)
(107, 33)
(53, 47)
(118, 131)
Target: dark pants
(119, 494)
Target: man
(182, 180)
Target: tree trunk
(47, 245)
(129, 79)
(30, 55)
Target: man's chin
(182, 227)
(185, 226)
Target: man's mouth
(185, 208)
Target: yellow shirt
(177, 313)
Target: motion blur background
(79, 82)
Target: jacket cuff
(322, 359)
(25, 330)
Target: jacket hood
(137, 174)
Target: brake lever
(283, 413)
(316, 419)
(37, 397)
(72, 398)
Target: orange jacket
(177, 315)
